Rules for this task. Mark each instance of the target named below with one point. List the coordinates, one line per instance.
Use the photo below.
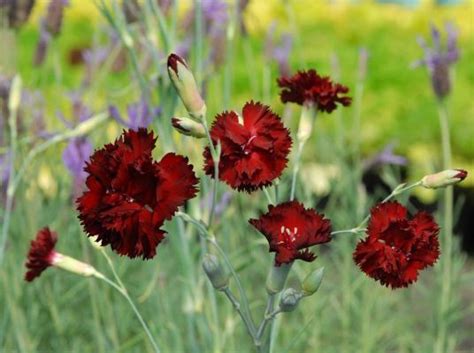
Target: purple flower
(75, 154)
(139, 115)
(438, 59)
(278, 50)
(386, 156)
(5, 166)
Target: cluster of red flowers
(129, 195)
(396, 247)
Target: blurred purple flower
(75, 155)
(50, 25)
(221, 205)
(16, 12)
(386, 156)
(93, 59)
(5, 166)
(278, 50)
(438, 59)
(139, 115)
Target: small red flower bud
(41, 254)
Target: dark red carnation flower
(254, 147)
(41, 254)
(291, 229)
(396, 247)
(307, 87)
(130, 195)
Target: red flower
(309, 87)
(41, 254)
(254, 147)
(397, 248)
(130, 195)
(289, 228)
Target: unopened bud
(312, 282)
(188, 127)
(277, 277)
(442, 179)
(72, 265)
(290, 299)
(214, 271)
(186, 87)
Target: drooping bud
(186, 87)
(312, 282)
(214, 271)
(442, 179)
(277, 277)
(290, 299)
(72, 265)
(188, 127)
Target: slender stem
(440, 343)
(243, 296)
(237, 307)
(305, 128)
(269, 197)
(268, 316)
(397, 191)
(203, 232)
(11, 177)
(295, 169)
(351, 231)
(123, 290)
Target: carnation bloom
(130, 195)
(41, 254)
(307, 87)
(396, 247)
(254, 147)
(291, 229)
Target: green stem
(237, 307)
(270, 313)
(305, 128)
(204, 233)
(268, 196)
(397, 191)
(123, 290)
(447, 240)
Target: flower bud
(290, 299)
(312, 282)
(72, 265)
(188, 127)
(277, 277)
(214, 271)
(185, 85)
(442, 179)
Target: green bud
(214, 271)
(312, 282)
(188, 127)
(277, 277)
(442, 179)
(72, 265)
(290, 299)
(186, 87)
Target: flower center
(287, 237)
(246, 148)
